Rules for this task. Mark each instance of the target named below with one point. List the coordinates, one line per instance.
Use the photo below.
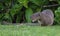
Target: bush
(19, 11)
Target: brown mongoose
(46, 17)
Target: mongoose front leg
(40, 22)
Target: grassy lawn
(17, 30)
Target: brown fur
(46, 17)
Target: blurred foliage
(57, 16)
(27, 14)
(19, 11)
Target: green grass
(16, 30)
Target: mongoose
(46, 17)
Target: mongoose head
(35, 16)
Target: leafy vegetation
(19, 11)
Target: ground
(17, 30)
